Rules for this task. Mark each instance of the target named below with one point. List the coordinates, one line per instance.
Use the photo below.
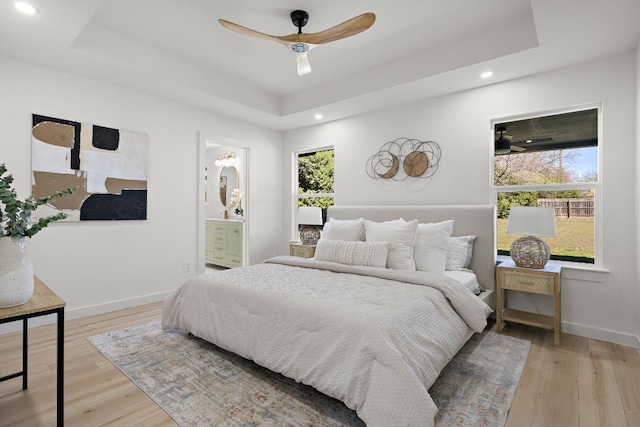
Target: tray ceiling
(177, 50)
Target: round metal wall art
(419, 159)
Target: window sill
(575, 270)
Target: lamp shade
(532, 221)
(309, 215)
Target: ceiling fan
(300, 43)
(503, 144)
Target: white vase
(16, 271)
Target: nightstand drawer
(302, 250)
(522, 282)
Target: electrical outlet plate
(186, 267)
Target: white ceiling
(416, 49)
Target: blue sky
(586, 161)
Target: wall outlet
(186, 267)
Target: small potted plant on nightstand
(16, 270)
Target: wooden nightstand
(304, 251)
(544, 281)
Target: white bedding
(358, 334)
(468, 279)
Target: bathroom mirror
(229, 180)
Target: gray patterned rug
(199, 384)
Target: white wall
(598, 305)
(637, 176)
(96, 266)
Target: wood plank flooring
(583, 382)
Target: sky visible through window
(586, 162)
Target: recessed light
(486, 74)
(318, 116)
(25, 8)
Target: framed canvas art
(107, 166)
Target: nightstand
(304, 251)
(545, 281)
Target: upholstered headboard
(478, 220)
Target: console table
(44, 301)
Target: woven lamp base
(530, 252)
(309, 235)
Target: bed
(373, 337)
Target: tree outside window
(315, 179)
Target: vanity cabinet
(223, 245)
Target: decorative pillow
(460, 252)
(344, 229)
(399, 232)
(369, 254)
(431, 248)
(400, 257)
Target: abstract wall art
(107, 166)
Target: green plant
(16, 214)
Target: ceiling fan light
(300, 47)
(304, 67)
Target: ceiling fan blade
(252, 33)
(346, 29)
(304, 67)
(300, 43)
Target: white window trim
(295, 197)
(578, 267)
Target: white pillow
(400, 257)
(399, 232)
(431, 247)
(344, 229)
(460, 252)
(369, 254)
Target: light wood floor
(583, 382)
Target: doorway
(215, 169)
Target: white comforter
(358, 334)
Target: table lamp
(309, 218)
(529, 251)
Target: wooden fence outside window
(568, 208)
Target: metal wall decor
(419, 159)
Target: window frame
(595, 186)
(295, 184)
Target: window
(550, 161)
(314, 180)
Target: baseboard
(75, 313)
(601, 334)
(115, 305)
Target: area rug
(199, 384)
